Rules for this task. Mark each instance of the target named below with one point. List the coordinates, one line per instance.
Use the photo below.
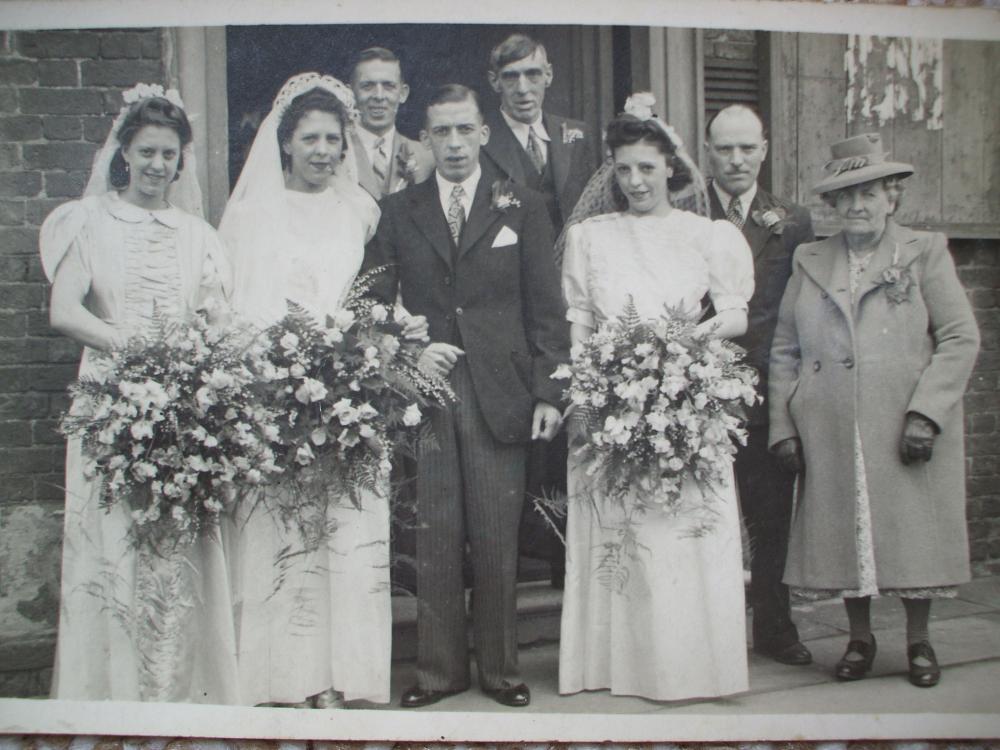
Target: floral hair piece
(300, 84)
(149, 91)
(640, 105)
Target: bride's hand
(414, 328)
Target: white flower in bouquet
(297, 371)
(304, 455)
(379, 313)
(412, 415)
(310, 391)
(318, 436)
(343, 319)
(289, 342)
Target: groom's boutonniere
(406, 163)
(503, 197)
(773, 218)
(571, 135)
(896, 280)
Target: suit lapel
(558, 151)
(503, 149)
(481, 215)
(757, 235)
(366, 176)
(425, 208)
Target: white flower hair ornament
(300, 84)
(640, 105)
(149, 91)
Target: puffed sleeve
(575, 272)
(60, 232)
(730, 267)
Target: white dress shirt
(520, 130)
(469, 184)
(744, 201)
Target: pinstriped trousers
(470, 488)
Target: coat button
(459, 311)
(817, 366)
(447, 280)
(849, 363)
(823, 295)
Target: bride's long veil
(598, 198)
(255, 223)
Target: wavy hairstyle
(314, 100)
(152, 111)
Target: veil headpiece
(256, 220)
(184, 192)
(598, 197)
(262, 178)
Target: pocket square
(505, 237)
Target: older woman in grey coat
(874, 347)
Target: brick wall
(978, 264)
(58, 94)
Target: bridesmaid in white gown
(135, 624)
(315, 628)
(676, 629)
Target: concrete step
(538, 612)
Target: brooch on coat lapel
(571, 135)
(895, 279)
(503, 196)
(773, 218)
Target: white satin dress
(135, 625)
(323, 619)
(668, 623)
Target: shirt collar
(125, 211)
(520, 130)
(469, 184)
(369, 139)
(745, 200)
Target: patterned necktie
(733, 213)
(536, 151)
(380, 162)
(456, 212)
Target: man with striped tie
(773, 228)
(387, 160)
(472, 251)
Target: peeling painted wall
(890, 77)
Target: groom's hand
(438, 358)
(546, 421)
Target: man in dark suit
(773, 227)
(548, 153)
(555, 156)
(472, 252)
(387, 160)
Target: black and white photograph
(523, 374)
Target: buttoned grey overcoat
(836, 364)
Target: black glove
(789, 455)
(918, 438)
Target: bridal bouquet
(176, 428)
(662, 404)
(349, 393)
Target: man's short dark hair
(377, 53)
(453, 93)
(513, 48)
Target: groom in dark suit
(773, 227)
(473, 253)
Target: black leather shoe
(923, 676)
(517, 696)
(855, 669)
(795, 654)
(417, 696)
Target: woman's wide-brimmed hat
(856, 160)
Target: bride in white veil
(315, 628)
